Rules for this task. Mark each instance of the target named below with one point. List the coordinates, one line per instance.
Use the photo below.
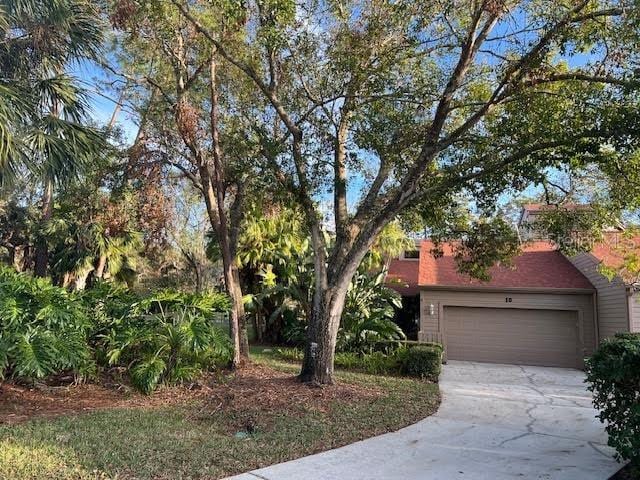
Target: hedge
(613, 373)
(414, 360)
(422, 361)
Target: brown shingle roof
(539, 265)
(403, 276)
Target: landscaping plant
(43, 329)
(423, 361)
(613, 374)
(173, 346)
(167, 337)
(367, 319)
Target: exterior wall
(613, 304)
(634, 308)
(433, 328)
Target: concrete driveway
(495, 422)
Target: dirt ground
(252, 387)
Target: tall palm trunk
(42, 250)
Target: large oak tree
(384, 105)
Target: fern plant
(43, 329)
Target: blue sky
(102, 100)
(103, 104)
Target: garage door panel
(507, 335)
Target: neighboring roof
(540, 265)
(536, 208)
(615, 249)
(403, 276)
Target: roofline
(479, 288)
(628, 285)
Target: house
(546, 309)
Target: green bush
(375, 363)
(423, 361)
(43, 329)
(172, 347)
(613, 374)
(289, 354)
(167, 337)
(204, 303)
(367, 320)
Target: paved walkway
(496, 422)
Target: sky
(102, 99)
(103, 102)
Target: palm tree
(42, 108)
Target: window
(411, 254)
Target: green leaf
(147, 374)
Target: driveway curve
(495, 422)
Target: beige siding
(611, 298)
(634, 306)
(433, 326)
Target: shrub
(375, 363)
(106, 301)
(167, 337)
(423, 361)
(172, 347)
(613, 373)
(204, 303)
(290, 354)
(43, 329)
(368, 314)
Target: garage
(513, 335)
(539, 310)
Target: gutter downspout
(629, 291)
(596, 322)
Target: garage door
(509, 335)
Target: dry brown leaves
(253, 389)
(259, 387)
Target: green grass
(182, 442)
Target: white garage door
(510, 335)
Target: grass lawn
(278, 420)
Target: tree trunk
(217, 187)
(199, 280)
(80, 282)
(42, 251)
(67, 278)
(326, 312)
(102, 263)
(257, 325)
(317, 366)
(237, 319)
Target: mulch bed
(253, 388)
(20, 403)
(257, 394)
